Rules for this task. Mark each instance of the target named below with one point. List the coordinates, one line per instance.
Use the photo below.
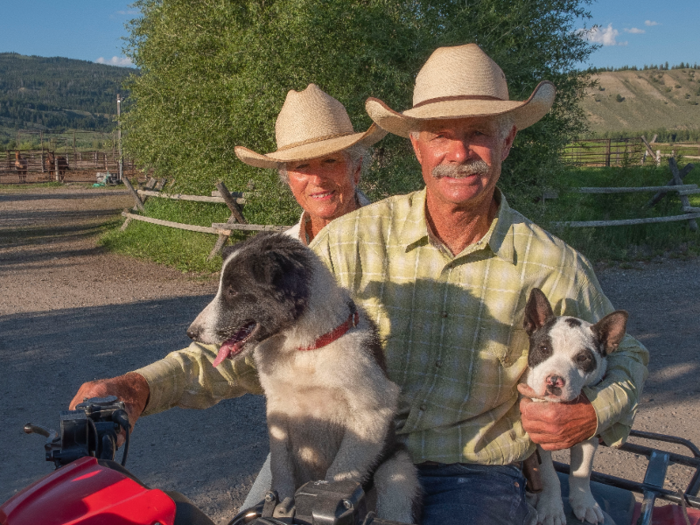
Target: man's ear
(537, 311)
(414, 142)
(611, 329)
(509, 143)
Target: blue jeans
(473, 495)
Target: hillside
(651, 99)
(58, 93)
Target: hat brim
(524, 113)
(311, 150)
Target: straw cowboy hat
(460, 82)
(311, 124)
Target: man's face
(461, 159)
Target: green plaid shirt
(451, 327)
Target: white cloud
(650, 23)
(129, 12)
(606, 36)
(635, 31)
(116, 61)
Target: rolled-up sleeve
(187, 379)
(616, 398)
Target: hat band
(315, 139)
(458, 97)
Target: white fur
(329, 410)
(566, 343)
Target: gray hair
(503, 122)
(355, 155)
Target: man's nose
(459, 151)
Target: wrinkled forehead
(572, 334)
(459, 124)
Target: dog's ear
(610, 330)
(537, 311)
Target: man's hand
(557, 426)
(131, 388)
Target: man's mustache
(458, 171)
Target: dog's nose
(555, 381)
(193, 333)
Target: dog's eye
(544, 349)
(231, 293)
(582, 358)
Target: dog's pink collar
(337, 332)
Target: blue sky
(632, 32)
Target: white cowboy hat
(461, 82)
(311, 124)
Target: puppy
(567, 354)
(330, 405)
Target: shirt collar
(499, 239)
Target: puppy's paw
(550, 510)
(586, 509)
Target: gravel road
(71, 312)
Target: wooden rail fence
(675, 185)
(222, 195)
(618, 152)
(82, 165)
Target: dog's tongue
(228, 349)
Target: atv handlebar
(89, 430)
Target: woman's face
(325, 186)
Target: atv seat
(617, 503)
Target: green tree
(214, 74)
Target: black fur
(572, 322)
(585, 360)
(265, 280)
(540, 344)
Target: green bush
(215, 74)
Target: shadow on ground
(46, 356)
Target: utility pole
(119, 137)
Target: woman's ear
(358, 172)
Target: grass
(188, 251)
(622, 243)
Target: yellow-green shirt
(451, 328)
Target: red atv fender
(86, 492)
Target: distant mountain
(645, 100)
(58, 93)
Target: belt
(435, 464)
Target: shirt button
(423, 407)
(438, 363)
(444, 314)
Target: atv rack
(653, 485)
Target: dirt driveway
(70, 312)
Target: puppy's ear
(537, 311)
(610, 330)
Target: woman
(319, 156)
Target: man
(445, 273)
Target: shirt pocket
(509, 346)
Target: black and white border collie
(330, 405)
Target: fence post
(658, 157)
(607, 154)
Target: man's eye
(301, 167)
